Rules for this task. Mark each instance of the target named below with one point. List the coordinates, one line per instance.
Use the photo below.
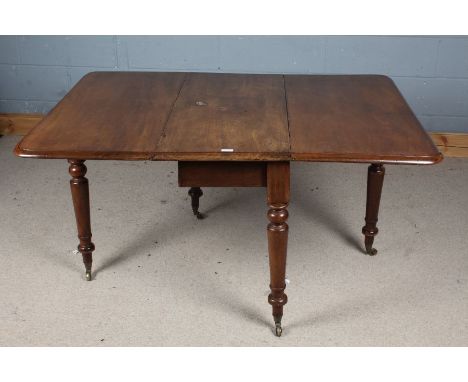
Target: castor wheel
(368, 242)
(195, 193)
(278, 329)
(88, 275)
(371, 251)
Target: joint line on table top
(163, 132)
(287, 112)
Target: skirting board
(450, 144)
(18, 124)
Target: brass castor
(278, 329)
(371, 251)
(369, 240)
(195, 193)
(88, 275)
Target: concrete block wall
(431, 71)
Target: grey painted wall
(431, 71)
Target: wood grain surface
(222, 174)
(354, 118)
(107, 115)
(232, 117)
(242, 114)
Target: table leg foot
(277, 230)
(368, 242)
(368, 245)
(195, 193)
(80, 195)
(375, 178)
(278, 328)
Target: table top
(239, 117)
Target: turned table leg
(80, 195)
(278, 199)
(195, 193)
(375, 178)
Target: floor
(164, 278)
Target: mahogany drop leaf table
(232, 130)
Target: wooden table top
(239, 117)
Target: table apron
(222, 174)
